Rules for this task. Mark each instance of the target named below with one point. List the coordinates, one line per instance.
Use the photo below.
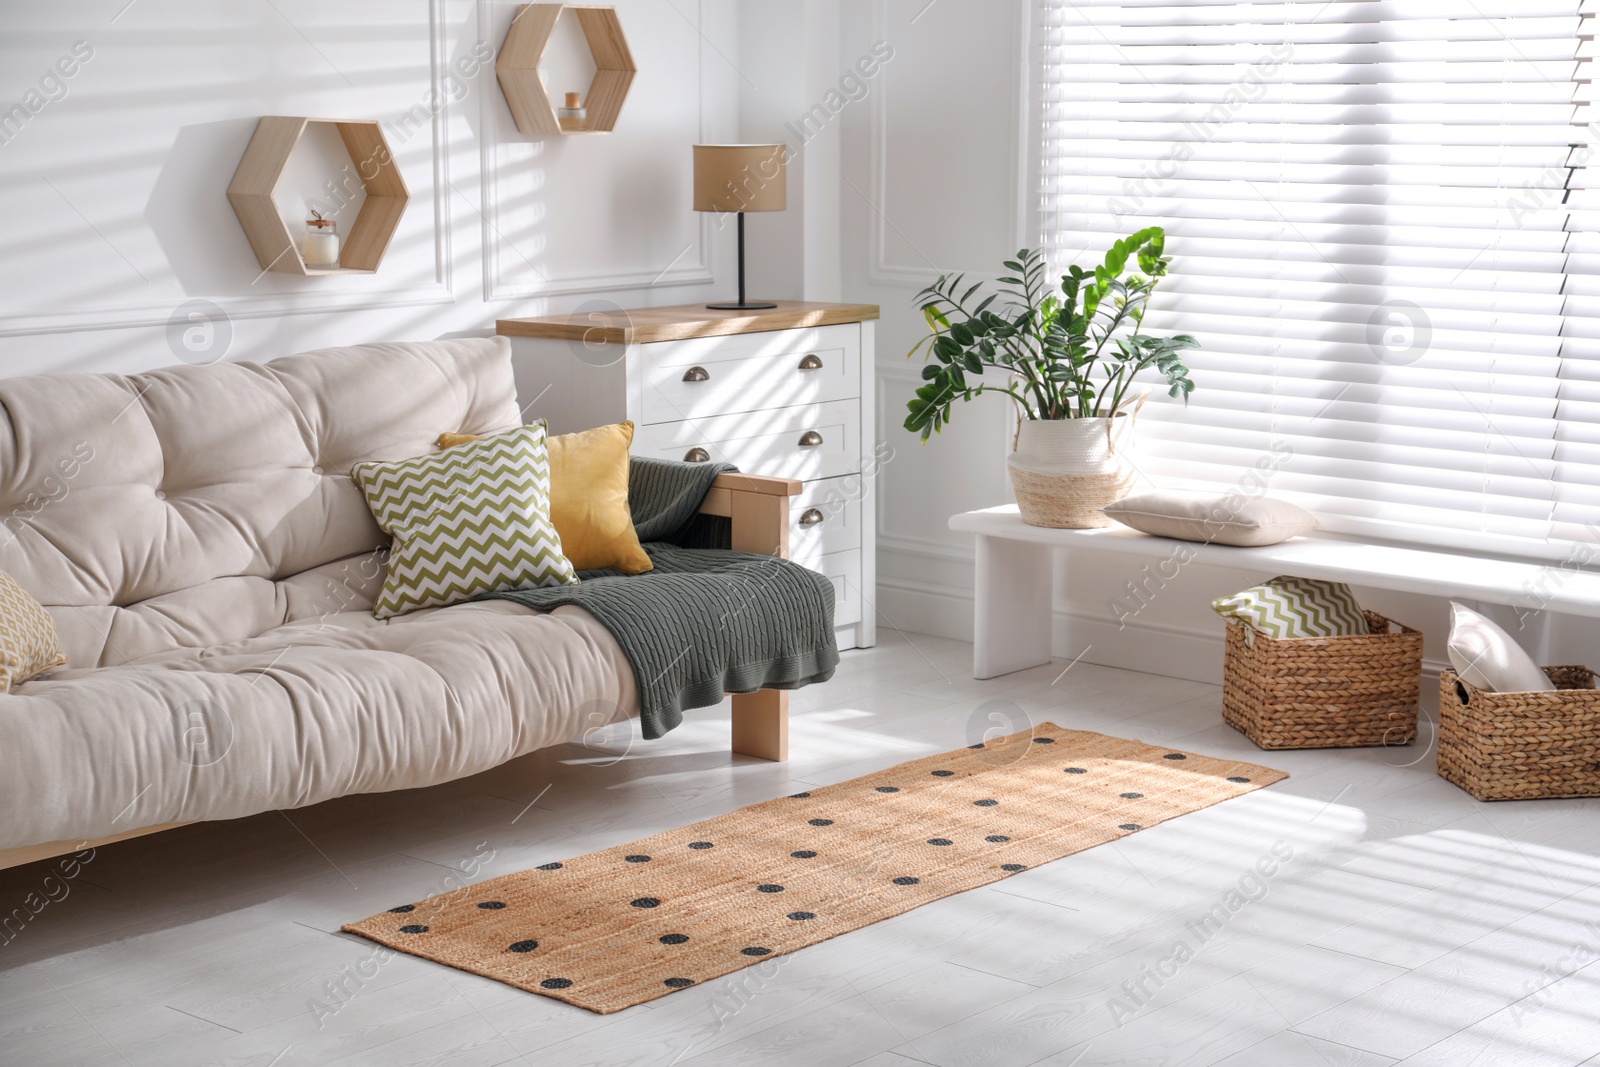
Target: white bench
(1016, 577)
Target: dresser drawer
(811, 442)
(750, 372)
(843, 569)
(825, 518)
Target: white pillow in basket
(1490, 659)
(1225, 519)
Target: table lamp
(738, 178)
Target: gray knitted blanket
(707, 621)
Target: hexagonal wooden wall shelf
(524, 48)
(264, 162)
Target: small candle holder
(574, 116)
(320, 245)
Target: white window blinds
(1383, 234)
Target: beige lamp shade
(741, 177)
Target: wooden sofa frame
(759, 508)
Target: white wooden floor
(1410, 923)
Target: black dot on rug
(1174, 756)
(1131, 796)
(804, 854)
(403, 909)
(413, 929)
(549, 866)
(907, 880)
(556, 983)
(940, 841)
(888, 789)
(492, 905)
(798, 796)
(978, 745)
(802, 916)
(1013, 867)
(679, 983)
(997, 839)
(701, 846)
(755, 952)
(769, 888)
(1130, 826)
(1075, 770)
(638, 859)
(524, 946)
(942, 774)
(1238, 781)
(985, 803)
(821, 822)
(647, 902)
(1044, 740)
(674, 939)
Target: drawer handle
(697, 455)
(697, 374)
(810, 439)
(812, 517)
(811, 362)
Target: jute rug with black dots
(620, 927)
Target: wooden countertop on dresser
(681, 322)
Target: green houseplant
(1067, 359)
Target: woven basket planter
(1324, 692)
(1064, 471)
(1521, 746)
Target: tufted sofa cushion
(303, 713)
(194, 506)
(211, 568)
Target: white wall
(936, 181)
(113, 193)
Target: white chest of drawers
(786, 393)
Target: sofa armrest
(759, 508)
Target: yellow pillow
(589, 497)
(28, 643)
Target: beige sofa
(210, 567)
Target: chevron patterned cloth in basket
(1288, 607)
(466, 521)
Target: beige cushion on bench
(1224, 519)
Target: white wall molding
(917, 275)
(922, 607)
(694, 266)
(315, 297)
(924, 548)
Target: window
(1383, 232)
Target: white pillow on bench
(1227, 519)
(1488, 658)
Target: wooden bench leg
(761, 724)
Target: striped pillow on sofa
(466, 521)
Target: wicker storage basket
(1324, 692)
(1521, 746)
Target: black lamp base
(742, 304)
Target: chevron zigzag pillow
(467, 521)
(1287, 608)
